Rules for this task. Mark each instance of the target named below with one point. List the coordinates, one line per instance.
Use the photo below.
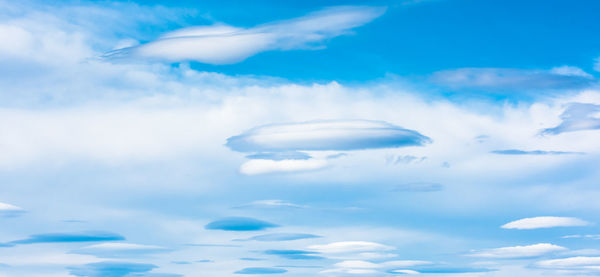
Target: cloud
(544, 222)
(350, 246)
(89, 236)
(597, 64)
(261, 270)
(116, 269)
(595, 236)
(293, 155)
(533, 152)
(8, 210)
(223, 44)
(515, 252)
(577, 117)
(273, 203)
(283, 237)
(419, 187)
(572, 263)
(254, 167)
(117, 249)
(508, 78)
(239, 224)
(336, 135)
(294, 254)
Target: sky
(305, 138)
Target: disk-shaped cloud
(222, 44)
(337, 135)
(239, 224)
(545, 222)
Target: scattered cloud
(283, 237)
(239, 224)
(509, 78)
(350, 246)
(118, 249)
(419, 187)
(279, 156)
(595, 236)
(573, 263)
(224, 44)
(116, 269)
(533, 152)
(8, 210)
(272, 203)
(294, 254)
(577, 117)
(544, 222)
(404, 159)
(325, 135)
(261, 270)
(516, 252)
(89, 236)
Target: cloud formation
(577, 117)
(239, 224)
(294, 254)
(261, 270)
(350, 246)
(8, 210)
(283, 237)
(223, 44)
(545, 222)
(89, 236)
(572, 263)
(336, 135)
(116, 269)
(533, 152)
(565, 77)
(513, 252)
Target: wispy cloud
(585, 264)
(294, 254)
(545, 222)
(239, 224)
(343, 247)
(8, 210)
(283, 237)
(261, 270)
(512, 252)
(115, 268)
(89, 236)
(224, 44)
(577, 117)
(533, 152)
(118, 250)
(509, 78)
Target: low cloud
(350, 247)
(544, 222)
(224, 44)
(239, 224)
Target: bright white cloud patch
(572, 263)
(544, 222)
(223, 44)
(260, 166)
(350, 246)
(528, 251)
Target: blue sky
(314, 138)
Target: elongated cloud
(527, 251)
(239, 224)
(283, 237)
(564, 77)
(545, 222)
(118, 249)
(350, 246)
(577, 117)
(8, 210)
(533, 152)
(90, 236)
(223, 44)
(116, 269)
(338, 135)
(261, 270)
(572, 263)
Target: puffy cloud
(509, 78)
(577, 117)
(223, 44)
(239, 224)
(117, 249)
(9, 210)
(544, 222)
(325, 135)
(533, 152)
(261, 270)
(89, 236)
(283, 237)
(528, 251)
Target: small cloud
(89, 236)
(577, 117)
(533, 152)
(295, 254)
(453, 270)
(239, 224)
(350, 246)
(117, 250)
(283, 237)
(8, 210)
(516, 252)
(261, 270)
(335, 135)
(573, 263)
(596, 236)
(565, 77)
(117, 269)
(404, 159)
(544, 222)
(223, 44)
(267, 204)
(419, 187)
(279, 156)
(255, 167)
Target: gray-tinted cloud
(577, 117)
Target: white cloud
(349, 246)
(4, 207)
(544, 222)
(260, 166)
(572, 263)
(528, 251)
(223, 44)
